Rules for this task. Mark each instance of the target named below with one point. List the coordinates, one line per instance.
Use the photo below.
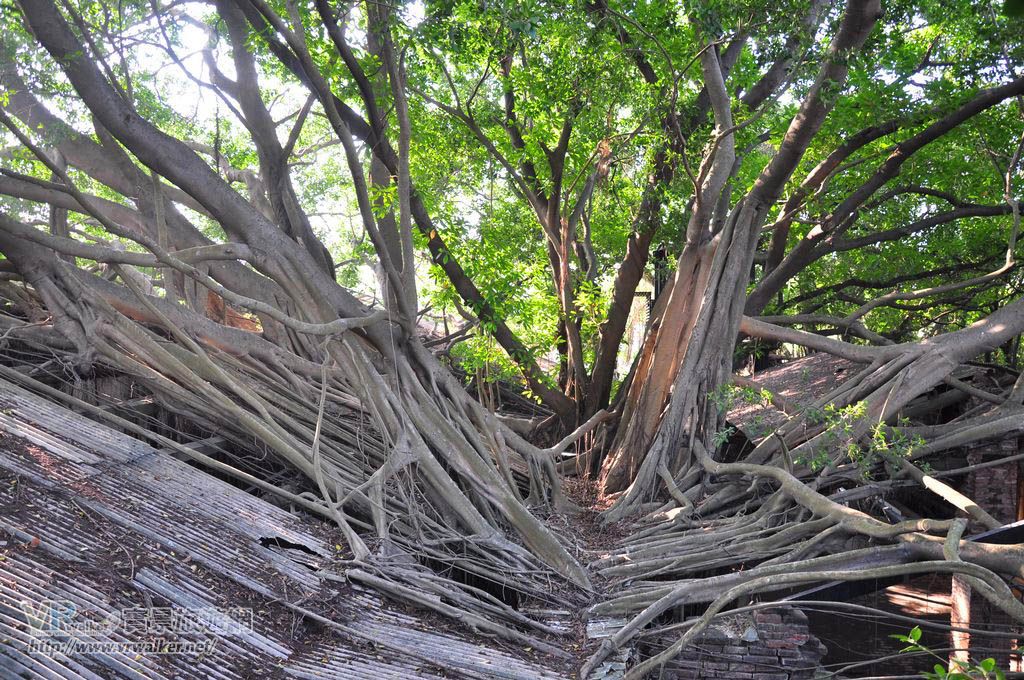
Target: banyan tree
(179, 181)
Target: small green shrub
(964, 670)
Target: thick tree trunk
(664, 348)
(689, 355)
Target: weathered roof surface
(801, 382)
(97, 520)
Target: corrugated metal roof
(801, 382)
(97, 519)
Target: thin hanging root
(474, 621)
(456, 472)
(355, 543)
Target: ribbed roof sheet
(107, 523)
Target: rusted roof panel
(98, 520)
(801, 382)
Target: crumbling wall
(771, 644)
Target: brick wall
(995, 488)
(986, 616)
(766, 645)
